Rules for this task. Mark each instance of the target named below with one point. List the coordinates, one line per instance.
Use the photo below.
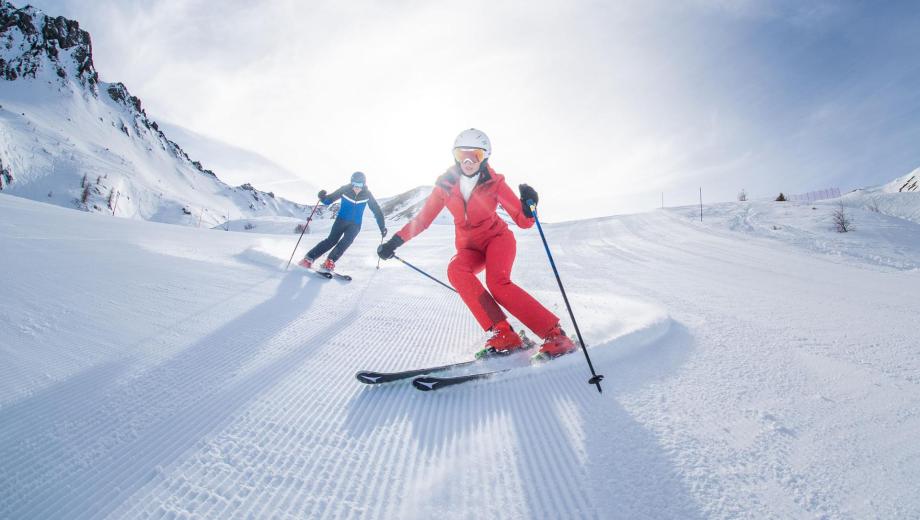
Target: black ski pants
(341, 236)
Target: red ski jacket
(475, 220)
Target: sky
(604, 107)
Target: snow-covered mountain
(69, 139)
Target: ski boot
(555, 344)
(328, 265)
(503, 341)
(306, 263)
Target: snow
(758, 364)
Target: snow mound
(899, 198)
(877, 240)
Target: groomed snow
(757, 365)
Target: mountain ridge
(70, 139)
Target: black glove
(387, 250)
(528, 194)
(321, 194)
(383, 232)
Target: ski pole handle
(533, 209)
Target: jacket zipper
(466, 216)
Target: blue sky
(604, 104)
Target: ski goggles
(358, 184)
(475, 155)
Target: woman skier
(355, 197)
(471, 191)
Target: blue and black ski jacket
(352, 206)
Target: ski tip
(426, 384)
(368, 378)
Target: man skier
(471, 191)
(355, 197)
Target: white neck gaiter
(467, 184)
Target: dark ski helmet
(358, 178)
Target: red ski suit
(483, 241)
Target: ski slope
(757, 365)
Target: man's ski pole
(378, 257)
(595, 378)
(424, 273)
(305, 226)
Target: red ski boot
(555, 344)
(503, 341)
(328, 265)
(306, 263)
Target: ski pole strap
(595, 377)
(424, 273)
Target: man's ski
(375, 378)
(329, 275)
(324, 274)
(429, 383)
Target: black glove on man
(528, 194)
(383, 232)
(321, 194)
(387, 250)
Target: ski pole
(424, 273)
(595, 378)
(378, 257)
(304, 230)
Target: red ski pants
(496, 256)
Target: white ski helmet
(473, 138)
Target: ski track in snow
(162, 372)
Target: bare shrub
(842, 221)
